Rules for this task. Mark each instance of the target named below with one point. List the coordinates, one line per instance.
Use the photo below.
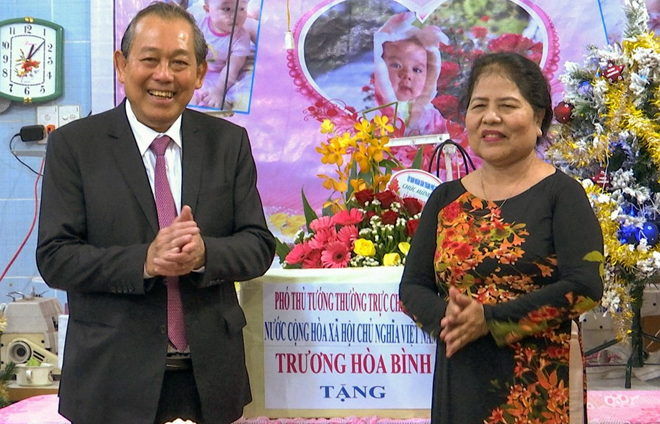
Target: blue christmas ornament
(627, 234)
(585, 88)
(629, 210)
(649, 231)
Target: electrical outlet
(48, 116)
(68, 114)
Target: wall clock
(30, 59)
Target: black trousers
(179, 398)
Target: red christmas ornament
(563, 112)
(601, 179)
(613, 73)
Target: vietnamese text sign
(343, 346)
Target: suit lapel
(129, 161)
(193, 160)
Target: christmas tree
(609, 138)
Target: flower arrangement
(609, 138)
(364, 222)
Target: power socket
(52, 117)
(48, 116)
(68, 114)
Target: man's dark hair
(166, 11)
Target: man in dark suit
(100, 240)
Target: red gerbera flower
(321, 223)
(313, 259)
(297, 254)
(335, 255)
(323, 237)
(348, 235)
(347, 217)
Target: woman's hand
(463, 323)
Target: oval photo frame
(333, 60)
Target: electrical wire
(11, 143)
(34, 220)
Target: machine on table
(32, 330)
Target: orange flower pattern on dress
(472, 231)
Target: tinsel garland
(621, 254)
(578, 152)
(635, 120)
(617, 300)
(611, 143)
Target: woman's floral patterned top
(535, 262)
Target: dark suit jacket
(97, 219)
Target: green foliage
(502, 16)
(417, 162)
(281, 249)
(6, 375)
(310, 215)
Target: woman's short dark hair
(167, 11)
(523, 72)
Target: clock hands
(32, 52)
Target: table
(604, 407)
(17, 392)
(42, 409)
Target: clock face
(30, 60)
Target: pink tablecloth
(34, 410)
(623, 407)
(43, 410)
(605, 407)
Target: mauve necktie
(166, 207)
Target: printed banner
(335, 68)
(343, 346)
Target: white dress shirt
(144, 136)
